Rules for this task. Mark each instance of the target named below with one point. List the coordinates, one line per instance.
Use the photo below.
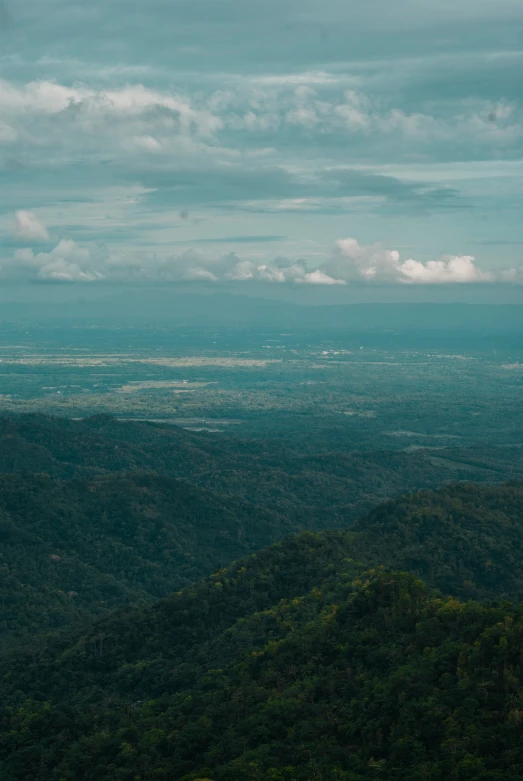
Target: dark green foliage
(76, 549)
(325, 657)
(85, 539)
(296, 663)
(466, 540)
(316, 487)
(72, 550)
(364, 677)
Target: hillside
(297, 662)
(466, 540)
(72, 550)
(314, 487)
(364, 675)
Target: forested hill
(74, 550)
(71, 550)
(466, 540)
(316, 488)
(292, 665)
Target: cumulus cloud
(70, 262)
(79, 122)
(29, 228)
(51, 98)
(67, 262)
(374, 263)
(279, 271)
(320, 278)
(292, 147)
(322, 109)
(138, 117)
(458, 268)
(239, 147)
(349, 263)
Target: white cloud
(80, 121)
(352, 261)
(313, 77)
(46, 113)
(50, 98)
(279, 271)
(67, 262)
(301, 115)
(70, 262)
(374, 263)
(458, 268)
(355, 111)
(44, 96)
(148, 143)
(324, 110)
(195, 273)
(29, 228)
(320, 278)
(349, 263)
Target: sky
(306, 145)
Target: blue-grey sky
(314, 143)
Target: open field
(359, 391)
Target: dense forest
(341, 637)
(316, 485)
(70, 550)
(299, 662)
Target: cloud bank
(125, 137)
(349, 263)
(135, 117)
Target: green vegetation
(339, 645)
(465, 540)
(83, 546)
(297, 662)
(313, 486)
(94, 515)
(341, 387)
(71, 550)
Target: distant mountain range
(225, 309)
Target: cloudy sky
(318, 143)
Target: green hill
(99, 514)
(316, 488)
(297, 662)
(368, 677)
(71, 550)
(466, 540)
(74, 550)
